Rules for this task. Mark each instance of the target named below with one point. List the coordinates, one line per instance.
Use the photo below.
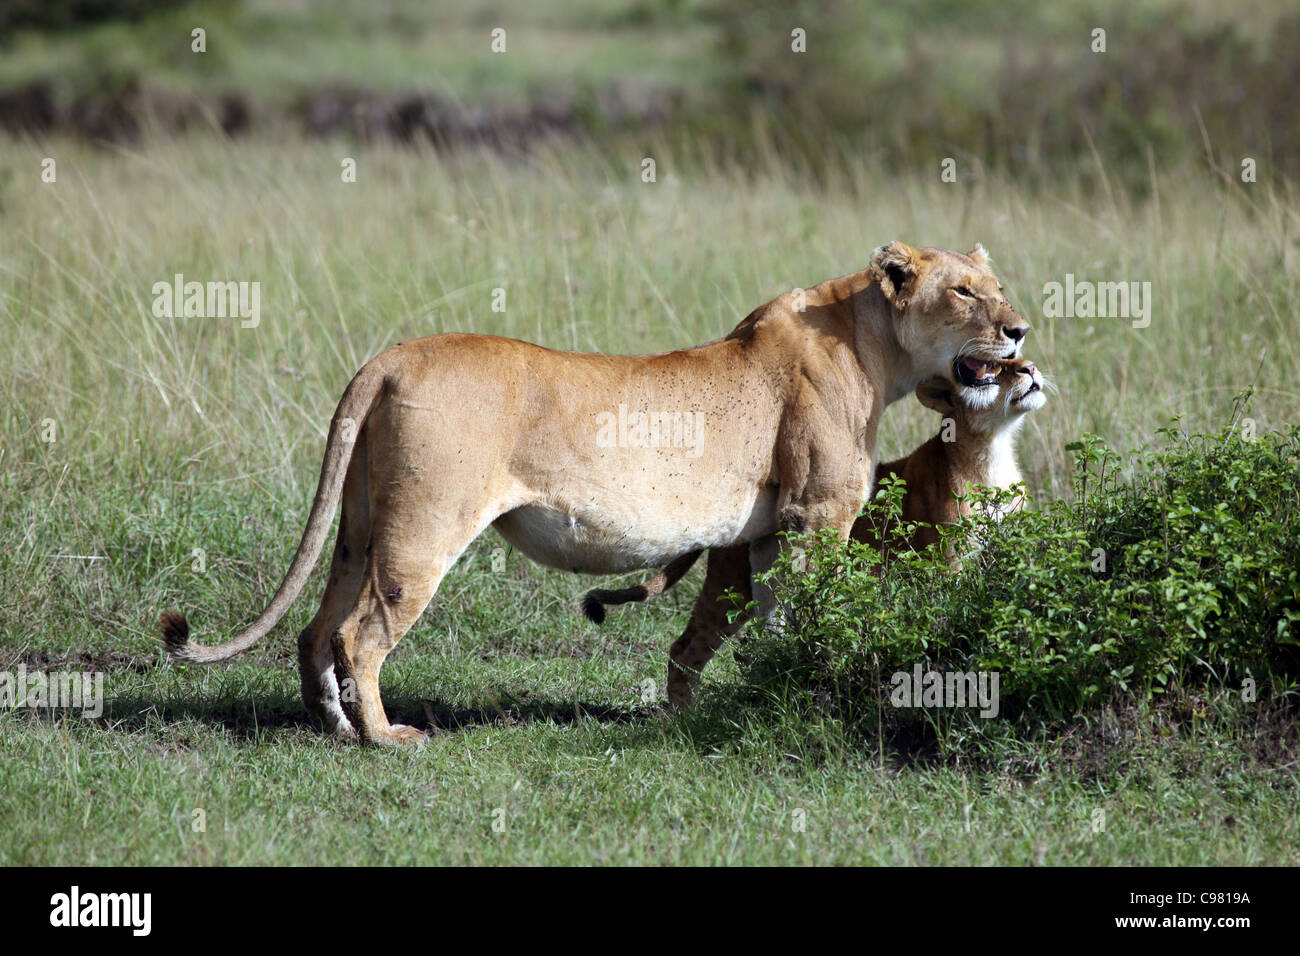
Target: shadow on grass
(248, 718)
(254, 712)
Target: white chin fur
(1032, 401)
(978, 398)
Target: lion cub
(975, 446)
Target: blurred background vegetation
(1012, 85)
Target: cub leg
(727, 570)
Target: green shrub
(1177, 575)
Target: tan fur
(434, 440)
(974, 446)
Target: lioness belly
(612, 541)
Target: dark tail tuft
(175, 631)
(593, 608)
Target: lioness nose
(1015, 332)
(1028, 369)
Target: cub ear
(979, 255)
(936, 393)
(895, 265)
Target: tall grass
(591, 258)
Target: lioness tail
(353, 409)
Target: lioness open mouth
(974, 372)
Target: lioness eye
(964, 291)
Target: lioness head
(1015, 388)
(951, 317)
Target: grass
(585, 792)
(176, 435)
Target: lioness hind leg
(429, 497)
(402, 575)
(728, 569)
(409, 554)
(362, 643)
(320, 688)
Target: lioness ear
(937, 394)
(979, 255)
(895, 266)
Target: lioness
(436, 439)
(978, 449)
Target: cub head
(1018, 388)
(949, 313)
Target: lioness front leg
(762, 556)
(838, 513)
